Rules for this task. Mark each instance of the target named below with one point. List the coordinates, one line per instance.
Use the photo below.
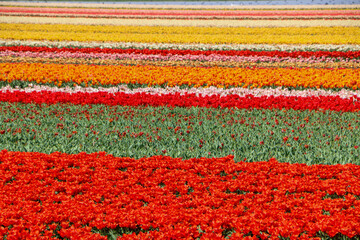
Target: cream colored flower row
(171, 34)
(168, 6)
(181, 22)
(200, 91)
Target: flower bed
(83, 196)
(233, 124)
(180, 34)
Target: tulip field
(130, 121)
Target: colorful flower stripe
(124, 5)
(160, 34)
(185, 17)
(188, 63)
(144, 57)
(178, 13)
(181, 22)
(293, 136)
(76, 196)
(180, 57)
(178, 76)
(167, 46)
(180, 52)
(333, 103)
(209, 91)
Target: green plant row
(255, 135)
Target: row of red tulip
(334, 103)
